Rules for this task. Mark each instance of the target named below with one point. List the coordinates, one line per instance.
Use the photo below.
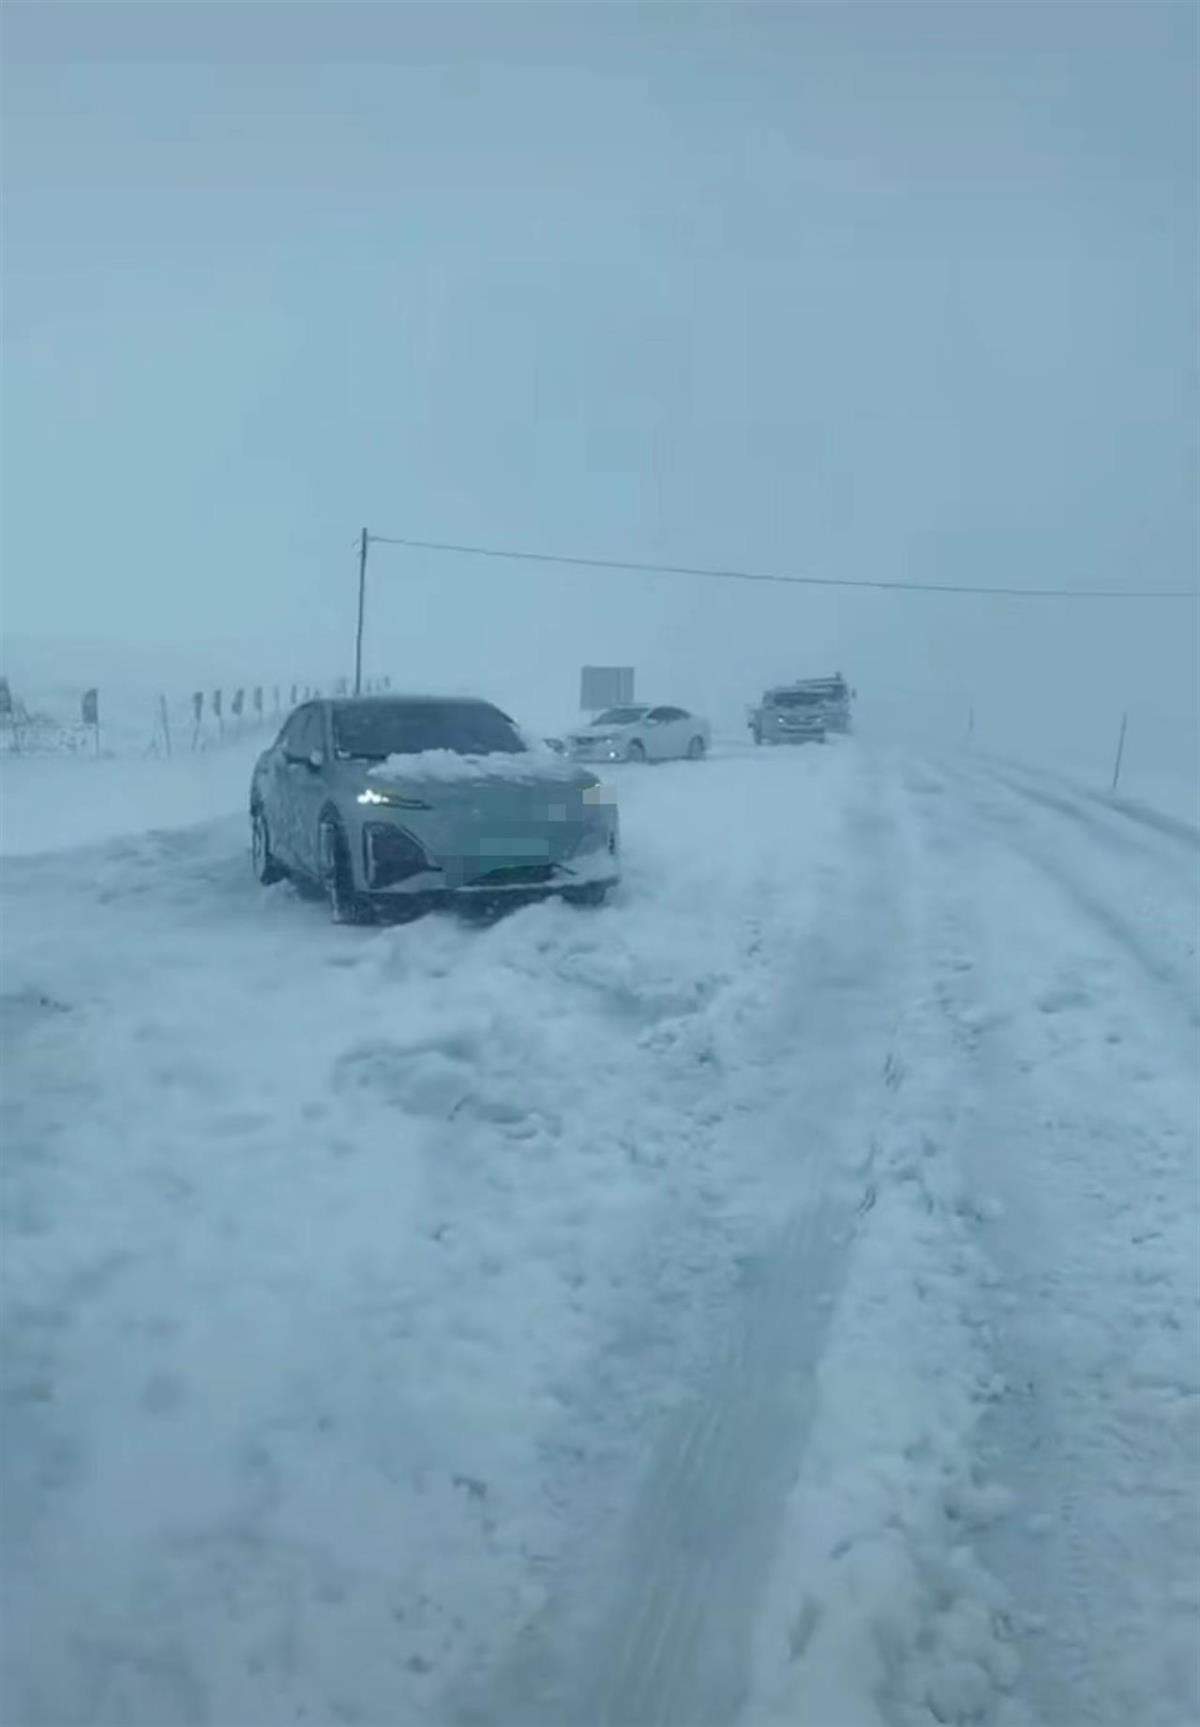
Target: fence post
(1120, 751)
(90, 714)
(166, 724)
(8, 711)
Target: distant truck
(803, 712)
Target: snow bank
(50, 803)
(350, 1273)
(453, 1323)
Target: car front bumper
(590, 751)
(794, 734)
(428, 893)
(395, 865)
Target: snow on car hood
(448, 765)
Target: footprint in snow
(428, 1080)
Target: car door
(308, 788)
(669, 732)
(277, 787)
(294, 776)
(683, 730)
(658, 733)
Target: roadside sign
(604, 687)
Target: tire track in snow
(1116, 834)
(1091, 1440)
(1028, 1424)
(672, 1651)
(1121, 929)
(671, 1647)
(1184, 833)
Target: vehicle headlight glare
(390, 800)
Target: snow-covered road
(771, 1298)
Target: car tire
(635, 752)
(696, 749)
(592, 893)
(266, 867)
(337, 878)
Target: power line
(719, 575)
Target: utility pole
(362, 590)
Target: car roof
(393, 697)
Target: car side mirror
(315, 759)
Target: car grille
(517, 875)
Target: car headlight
(390, 800)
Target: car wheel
(636, 752)
(695, 749)
(337, 878)
(266, 869)
(592, 893)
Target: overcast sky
(853, 290)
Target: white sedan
(641, 734)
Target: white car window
(619, 717)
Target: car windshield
(372, 731)
(795, 699)
(619, 716)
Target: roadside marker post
(1120, 751)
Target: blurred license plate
(523, 847)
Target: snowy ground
(771, 1298)
(48, 803)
